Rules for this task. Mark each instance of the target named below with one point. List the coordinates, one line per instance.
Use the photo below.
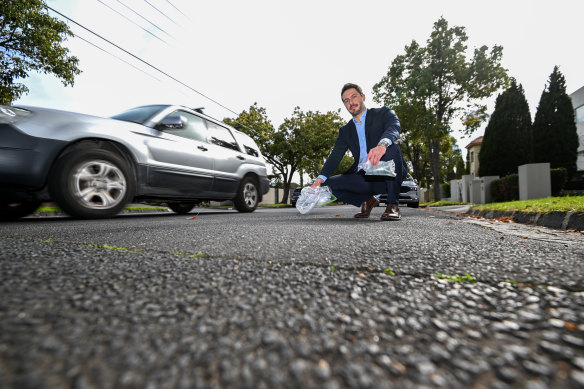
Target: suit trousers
(355, 188)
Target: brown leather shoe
(366, 208)
(391, 213)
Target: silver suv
(92, 167)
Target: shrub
(505, 188)
(559, 178)
(445, 189)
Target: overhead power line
(143, 61)
(148, 21)
(121, 59)
(174, 6)
(131, 21)
(162, 13)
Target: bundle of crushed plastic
(383, 168)
(311, 197)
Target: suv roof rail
(199, 109)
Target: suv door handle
(202, 148)
(240, 157)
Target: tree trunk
(287, 182)
(286, 191)
(435, 166)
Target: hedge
(507, 188)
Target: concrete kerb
(555, 219)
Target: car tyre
(13, 210)
(181, 208)
(247, 198)
(414, 205)
(91, 184)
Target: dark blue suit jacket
(379, 123)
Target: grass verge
(548, 204)
(440, 203)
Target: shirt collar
(362, 118)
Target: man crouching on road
(371, 136)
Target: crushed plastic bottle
(383, 168)
(311, 197)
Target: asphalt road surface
(275, 299)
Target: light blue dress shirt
(361, 134)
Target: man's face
(354, 102)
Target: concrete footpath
(556, 219)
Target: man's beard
(358, 112)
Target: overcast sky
(283, 54)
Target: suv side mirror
(172, 123)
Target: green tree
(460, 167)
(31, 40)
(413, 140)
(506, 143)
(555, 139)
(452, 161)
(301, 142)
(315, 135)
(439, 78)
(344, 165)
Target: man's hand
(317, 183)
(375, 154)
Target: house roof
(476, 142)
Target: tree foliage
(31, 40)
(413, 141)
(452, 160)
(439, 81)
(507, 142)
(301, 143)
(555, 138)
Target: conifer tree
(506, 143)
(555, 139)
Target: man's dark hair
(349, 86)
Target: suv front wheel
(247, 198)
(92, 184)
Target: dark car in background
(92, 167)
(294, 196)
(409, 193)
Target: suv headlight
(10, 114)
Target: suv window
(251, 151)
(194, 126)
(221, 136)
(139, 114)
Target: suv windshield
(139, 114)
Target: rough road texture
(273, 300)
